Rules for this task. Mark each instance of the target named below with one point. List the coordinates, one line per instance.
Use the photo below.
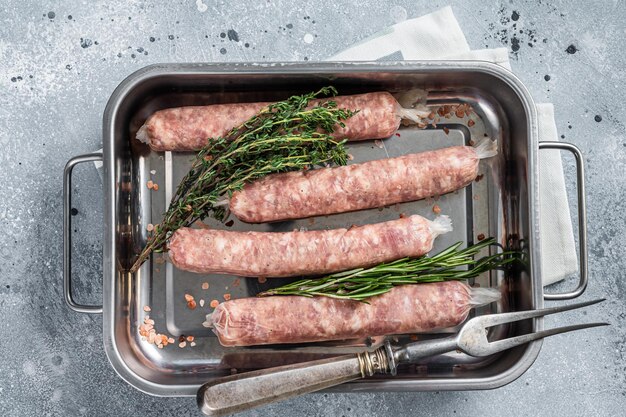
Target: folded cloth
(438, 36)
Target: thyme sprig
(362, 283)
(285, 136)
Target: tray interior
(496, 205)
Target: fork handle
(236, 393)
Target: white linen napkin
(437, 36)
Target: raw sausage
(379, 183)
(271, 254)
(189, 128)
(292, 319)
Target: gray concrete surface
(57, 72)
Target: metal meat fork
(241, 392)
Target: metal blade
(501, 318)
(512, 342)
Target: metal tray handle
(582, 219)
(67, 233)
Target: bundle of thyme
(286, 136)
(362, 283)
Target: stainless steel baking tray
(503, 204)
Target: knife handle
(236, 393)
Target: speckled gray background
(57, 72)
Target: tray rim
(390, 385)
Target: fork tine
(511, 342)
(501, 318)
